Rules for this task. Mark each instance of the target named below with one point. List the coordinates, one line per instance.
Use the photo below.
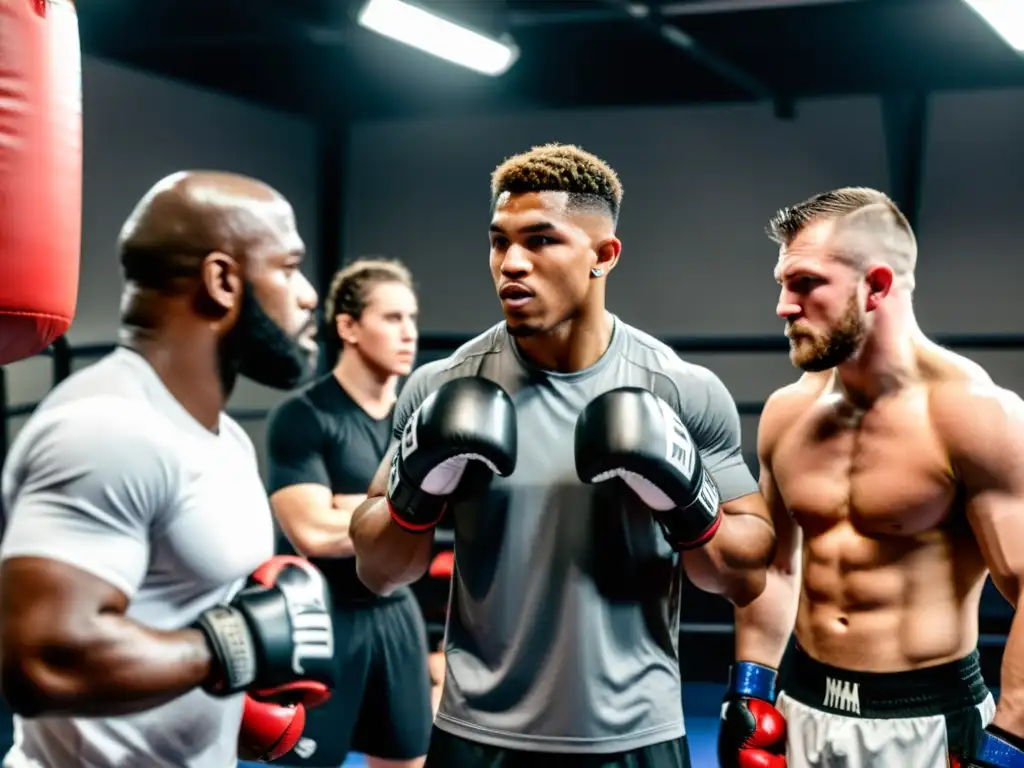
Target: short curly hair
(590, 182)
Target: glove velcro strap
(993, 750)
(233, 649)
(693, 525)
(752, 681)
(415, 510)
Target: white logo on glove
(312, 629)
(410, 440)
(680, 451)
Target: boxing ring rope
(431, 346)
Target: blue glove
(997, 748)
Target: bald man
(135, 513)
(894, 470)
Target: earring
(597, 271)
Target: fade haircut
(352, 285)
(590, 182)
(868, 226)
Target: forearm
(733, 564)
(324, 531)
(1010, 712)
(763, 627)
(112, 667)
(387, 555)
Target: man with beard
(584, 467)
(894, 471)
(135, 512)
(324, 444)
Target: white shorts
(919, 719)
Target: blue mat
(702, 702)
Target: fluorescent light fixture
(1004, 16)
(430, 33)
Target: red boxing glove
(269, 730)
(442, 565)
(753, 731)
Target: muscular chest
(216, 532)
(883, 471)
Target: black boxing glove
(468, 419)
(276, 637)
(632, 434)
(752, 733)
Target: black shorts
(448, 751)
(381, 706)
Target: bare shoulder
(785, 404)
(787, 401)
(977, 419)
(943, 366)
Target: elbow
(30, 686)
(375, 582)
(745, 543)
(746, 587)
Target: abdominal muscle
(891, 603)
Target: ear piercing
(597, 271)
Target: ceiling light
(432, 34)
(1004, 16)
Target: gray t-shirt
(112, 476)
(563, 622)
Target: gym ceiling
(310, 57)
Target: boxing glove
(276, 636)
(634, 435)
(997, 748)
(468, 419)
(753, 731)
(269, 730)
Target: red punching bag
(40, 173)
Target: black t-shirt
(321, 435)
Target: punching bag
(40, 173)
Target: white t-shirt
(112, 476)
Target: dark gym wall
(137, 129)
(700, 184)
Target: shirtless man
(894, 470)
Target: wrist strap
(413, 509)
(996, 747)
(232, 647)
(694, 525)
(750, 680)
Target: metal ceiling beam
(668, 10)
(651, 17)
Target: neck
(887, 359)
(188, 365)
(372, 389)
(572, 346)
